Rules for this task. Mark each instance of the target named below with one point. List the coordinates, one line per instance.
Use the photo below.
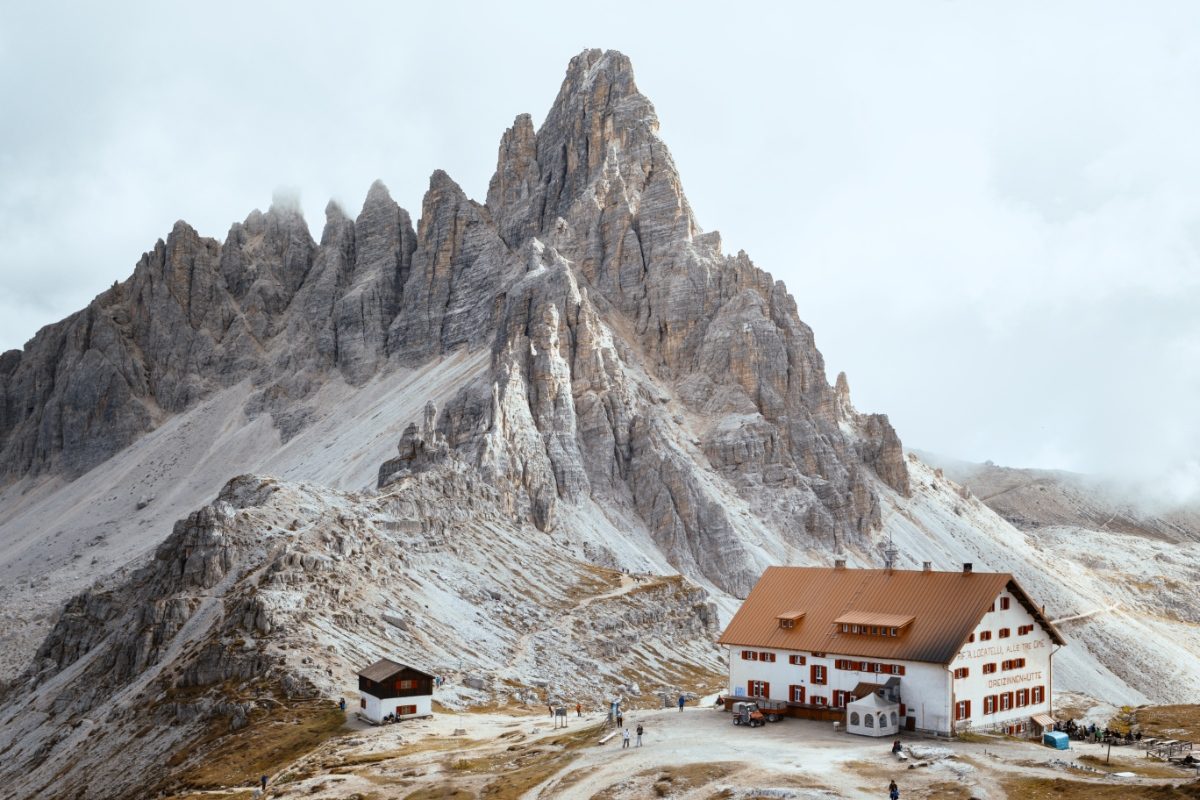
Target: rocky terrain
(583, 387)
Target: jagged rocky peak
(631, 358)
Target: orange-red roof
(945, 608)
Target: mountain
(544, 442)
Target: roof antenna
(889, 553)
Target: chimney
(927, 566)
(967, 567)
(839, 563)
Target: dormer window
(789, 619)
(873, 624)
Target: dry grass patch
(1063, 789)
(668, 781)
(1174, 722)
(274, 739)
(441, 793)
(1139, 765)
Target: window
(402, 710)
(1022, 698)
(989, 704)
(892, 632)
(845, 628)
(817, 674)
(749, 655)
(787, 623)
(765, 656)
(970, 638)
(874, 630)
(1024, 629)
(819, 655)
(1039, 694)
(992, 607)
(406, 684)
(1006, 701)
(820, 700)
(869, 720)
(962, 672)
(758, 689)
(796, 693)
(897, 669)
(895, 719)
(1005, 633)
(985, 636)
(362, 702)
(962, 709)
(1004, 603)
(796, 661)
(988, 669)
(853, 717)
(839, 699)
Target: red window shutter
(902, 710)
(766, 689)
(968, 702)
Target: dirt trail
(1086, 614)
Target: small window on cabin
(787, 623)
(971, 638)
(985, 636)
(894, 632)
(874, 630)
(845, 628)
(1004, 601)
(1005, 633)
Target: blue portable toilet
(1056, 739)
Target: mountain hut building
(387, 687)
(941, 652)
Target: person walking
(620, 720)
(264, 783)
(624, 738)
(640, 730)
(682, 700)
(893, 791)
(579, 709)
(342, 705)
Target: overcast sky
(988, 212)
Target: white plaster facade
(375, 709)
(928, 692)
(989, 647)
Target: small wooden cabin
(387, 687)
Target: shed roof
(945, 607)
(385, 668)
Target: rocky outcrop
(421, 448)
